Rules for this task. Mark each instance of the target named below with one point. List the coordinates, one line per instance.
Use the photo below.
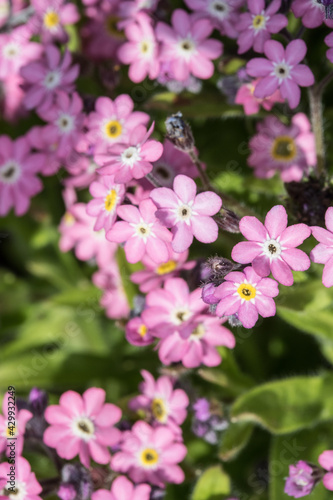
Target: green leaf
(287, 405)
(234, 439)
(212, 483)
(126, 269)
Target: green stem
(316, 110)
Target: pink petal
(164, 198)
(276, 221)
(245, 252)
(293, 236)
(248, 314)
(326, 460)
(252, 229)
(185, 188)
(207, 203)
(274, 50)
(296, 259)
(302, 75)
(261, 265)
(328, 273)
(204, 228)
(290, 91)
(265, 306)
(329, 218)
(181, 22)
(93, 400)
(268, 287)
(295, 52)
(321, 253)
(182, 237)
(120, 232)
(134, 249)
(129, 213)
(201, 67)
(282, 272)
(266, 87)
(228, 305)
(259, 66)
(328, 481)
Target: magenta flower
(197, 344)
(326, 461)
(272, 247)
(311, 12)
(18, 174)
(122, 489)
(257, 25)
(107, 197)
(141, 50)
(150, 455)
(290, 150)
(223, 14)
(161, 401)
(47, 76)
(186, 46)
(300, 482)
(281, 70)
(50, 17)
(113, 121)
(247, 295)
(26, 484)
(187, 213)
(172, 308)
(83, 426)
(137, 333)
(329, 43)
(21, 418)
(114, 300)
(142, 233)
(245, 96)
(133, 159)
(323, 253)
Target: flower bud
(37, 401)
(179, 132)
(227, 220)
(301, 479)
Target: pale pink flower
(186, 213)
(224, 14)
(47, 76)
(123, 489)
(141, 232)
(172, 308)
(150, 455)
(113, 121)
(83, 426)
(133, 159)
(272, 247)
(281, 70)
(141, 49)
(18, 174)
(114, 299)
(245, 96)
(50, 17)
(40, 140)
(312, 13)
(8, 431)
(153, 276)
(137, 332)
(159, 399)
(186, 46)
(326, 461)
(247, 295)
(197, 344)
(323, 253)
(11, 98)
(107, 197)
(25, 484)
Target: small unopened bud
(207, 294)
(75, 476)
(66, 492)
(37, 401)
(302, 479)
(157, 493)
(227, 220)
(220, 266)
(234, 321)
(179, 132)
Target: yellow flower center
(158, 409)
(166, 268)
(284, 148)
(113, 129)
(11, 431)
(111, 200)
(258, 21)
(149, 457)
(142, 330)
(198, 332)
(69, 219)
(246, 291)
(51, 19)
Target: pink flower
(247, 295)
(172, 308)
(83, 426)
(16, 50)
(159, 399)
(7, 430)
(323, 253)
(101, 36)
(153, 276)
(114, 300)
(107, 197)
(326, 461)
(281, 70)
(65, 119)
(26, 484)
(186, 46)
(186, 213)
(142, 233)
(272, 247)
(18, 179)
(50, 17)
(224, 14)
(290, 150)
(245, 96)
(311, 12)
(150, 455)
(141, 51)
(123, 489)
(132, 160)
(257, 25)
(113, 121)
(197, 344)
(137, 332)
(41, 140)
(329, 43)
(130, 9)
(77, 231)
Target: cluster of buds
(208, 420)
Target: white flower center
(180, 315)
(130, 156)
(186, 47)
(84, 428)
(10, 50)
(184, 212)
(10, 172)
(198, 332)
(259, 22)
(143, 230)
(281, 70)
(52, 79)
(146, 48)
(219, 9)
(272, 248)
(19, 492)
(65, 123)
